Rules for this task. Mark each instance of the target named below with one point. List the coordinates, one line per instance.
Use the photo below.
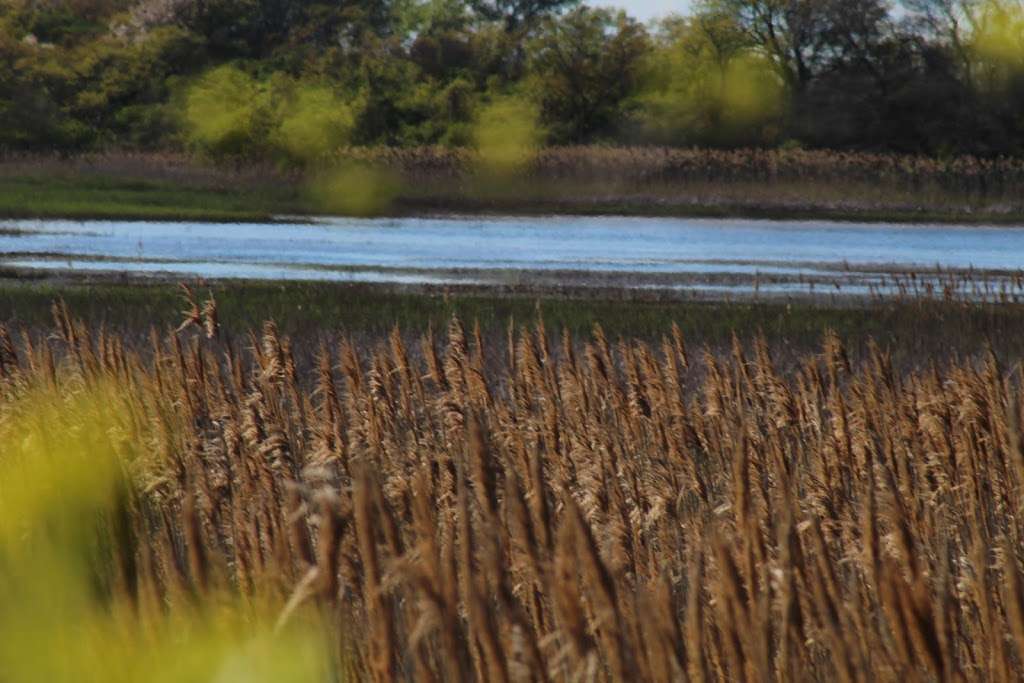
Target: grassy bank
(687, 207)
(755, 184)
(115, 198)
(914, 331)
(99, 197)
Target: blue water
(495, 249)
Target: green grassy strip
(98, 197)
(117, 198)
(914, 331)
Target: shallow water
(675, 254)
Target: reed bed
(964, 173)
(640, 165)
(963, 287)
(667, 164)
(169, 168)
(558, 509)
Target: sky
(645, 10)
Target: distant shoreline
(141, 210)
(754, 184)
(144, 212)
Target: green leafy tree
(517, 14)
(585, 67)
(258, 29)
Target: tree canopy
(290, 79)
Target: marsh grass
(585, 180)
(540, 506)
(913, 327)
(107, 196)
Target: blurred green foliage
(294, 81)
(228, 112)
(506, 133)
(707, 84)
(70, 473)
(353, 190)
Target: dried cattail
(546, 517)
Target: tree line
(294, 78)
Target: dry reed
(588, 511)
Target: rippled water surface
(614, 251)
